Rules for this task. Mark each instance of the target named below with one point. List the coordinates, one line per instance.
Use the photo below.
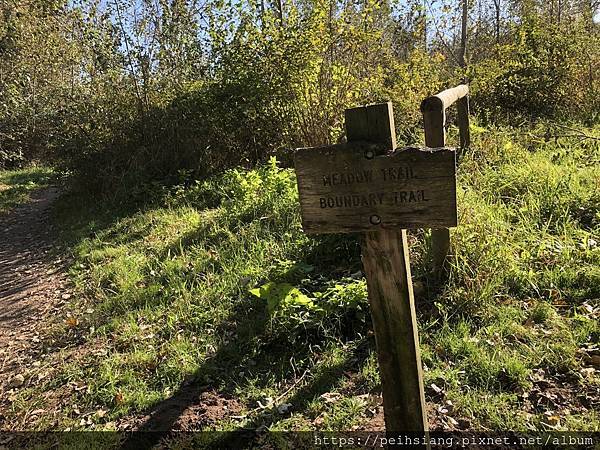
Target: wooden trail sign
(367, 186)
(349, 188)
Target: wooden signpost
(368, 186)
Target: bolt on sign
(368, 186)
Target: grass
(17, 185)
(170, 295)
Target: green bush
(545, 71)
(328, 311)
(267, 89)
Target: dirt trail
(33, 286)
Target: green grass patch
(213, 283)
(17, 185)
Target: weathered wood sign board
(352, 188)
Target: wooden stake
(434, 121)
(387, 267)
(463, 123)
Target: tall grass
(217, 285)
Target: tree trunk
(279, 6)
(424, 18)
(497, 7)
(462, 57)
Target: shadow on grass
(253, 348)
(256, 349)
(274, 358)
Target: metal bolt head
(375, 219)
(369, 154)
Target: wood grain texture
(445, 98)
(387, 267)
(463, 123)
(373, 124)
(434, 120)
(353, 188)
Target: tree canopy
(130, 90)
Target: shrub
(543, 72)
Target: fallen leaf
(268, 402)
(435, 391)
(452, 421)
(16, 381)
(553, 420)
(42, 375)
